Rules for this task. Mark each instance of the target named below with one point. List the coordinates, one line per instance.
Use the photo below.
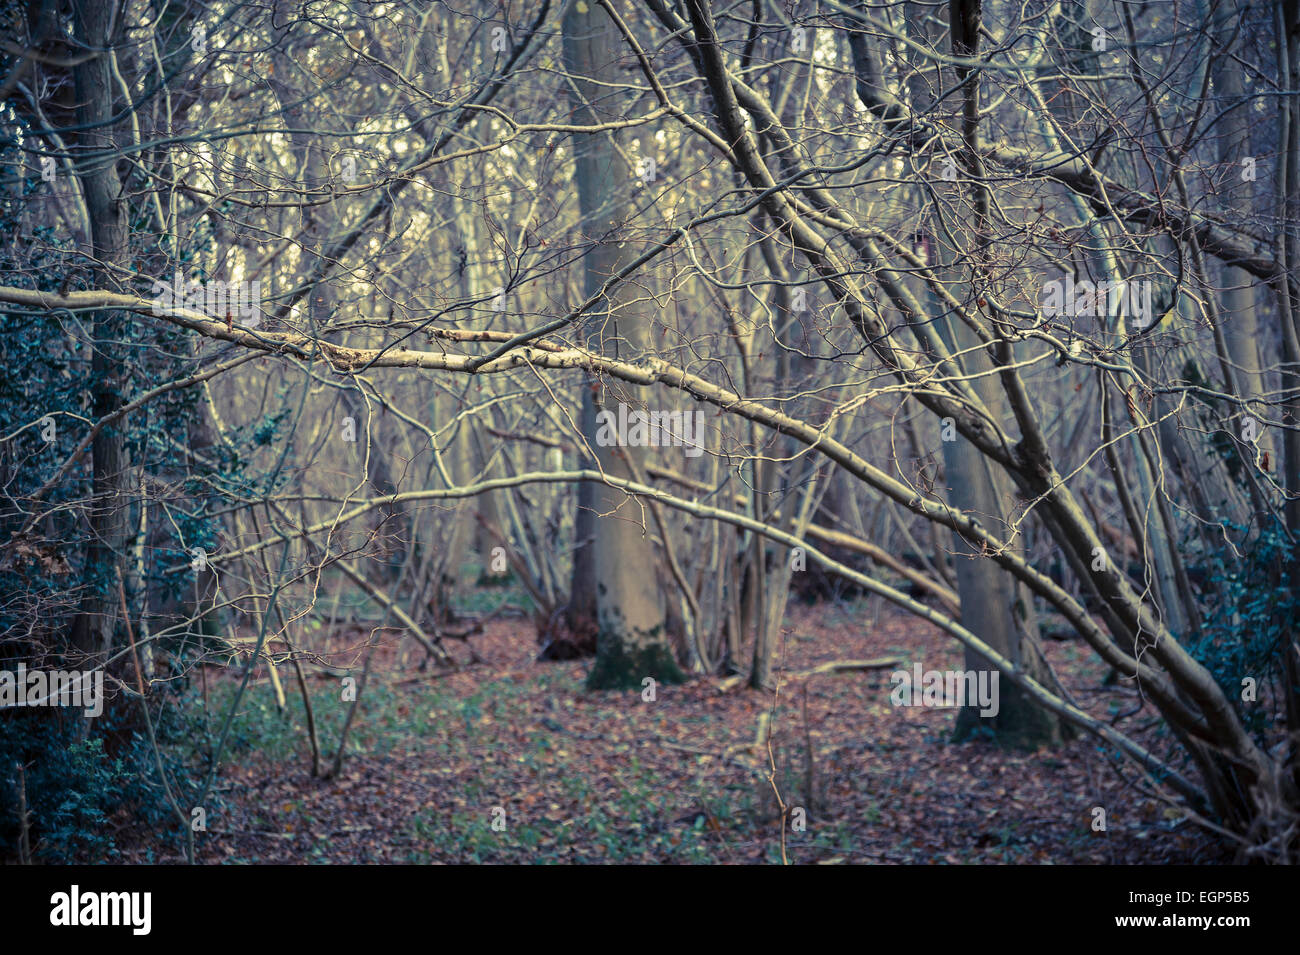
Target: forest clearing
(608, 776)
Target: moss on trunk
(620, 667)
(1021, 724)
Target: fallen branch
(421, 637)
(848, 666)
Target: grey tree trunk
(110, 515)
(631, 643)
(993, 605)
(1238, 300)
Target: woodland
(650, 431)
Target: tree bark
(631, 644)
(993, 605)
(110, 514)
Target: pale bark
(631, 643)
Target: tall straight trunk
(1238, 301)
(993, 605)
(110, 515)
(1287, 42)
(391, 523)
(1240, 324)
(456, 446)
(1288, 247)
(631, 643)
(475, 283)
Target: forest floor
(608, 777)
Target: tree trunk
(581, 611)
(631, 644)
(1238, 299)
(110, 515)
(993, 605)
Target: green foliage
(74, 787)
(1250, 610)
